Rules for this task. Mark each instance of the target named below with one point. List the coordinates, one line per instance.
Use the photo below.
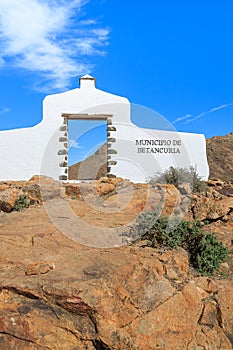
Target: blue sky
(85, 137)
(174, 57)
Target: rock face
(220, 157)
(58, 294)
(126, 298)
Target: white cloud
(50, 38)
(182, 118)
(214, 109)
(187, 119)
(74, 144)
(5, 110)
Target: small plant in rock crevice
(206, 252)
(21, 203)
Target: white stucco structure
(134, 153)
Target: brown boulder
(39, 268)
(104, 188)
(40, 179)
(8, 199)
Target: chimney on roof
(87, 81)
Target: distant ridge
(92, 167)
(220, 157)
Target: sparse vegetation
(177, 176)
(210, 254)
(21, 203)
(206, 252)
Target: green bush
(176, 176)
(210, 254)
(206, 252)
(21, 203)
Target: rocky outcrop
(121, 299)
(58, 294)
(8, 199)
(33, 192)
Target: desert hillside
(92, 167)
(220, 157)
(60, 290)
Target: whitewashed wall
(30, 151)
(135, 159)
